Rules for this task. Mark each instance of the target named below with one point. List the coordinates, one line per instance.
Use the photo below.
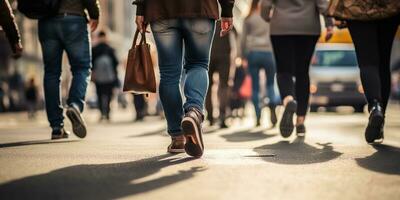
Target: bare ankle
(300, 120)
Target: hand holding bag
(139, 76)
(363, 10)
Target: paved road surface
(125, 160)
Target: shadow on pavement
(385, 160)
(246, 136)
(99, 181)
(211, 129)
(298, 152)
(35, 142)
(159, 132)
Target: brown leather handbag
(139, 76)
(363, 10)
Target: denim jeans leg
(198, 35)
(254, 70)
(169, 42)
(77, 45)
(270, 71)
(52, 50)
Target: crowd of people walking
(197, 39)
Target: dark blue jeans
(187, 43)
(262, 60)
(56, 35)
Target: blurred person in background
(8, 25)
(68, 31)
(16, 90)
(373, 41)
(237, 101)
(104, 74)
(32, 98)
(257, 54)
(295, 30)
(139, 101)
(2, 96)
(191, 24)
(220, 63)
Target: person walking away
(32, 97)
(8, 25)
(220, 63)
(10, 44)
(373, 40)
(295, 29)
(176, 24)
(16, 90)
(257, 54)
(140, 105)
(105, 75)
(68, 31)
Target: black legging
(293, 56)
(373, 42)
(221, 65)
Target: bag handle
(142, 40)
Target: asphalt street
(126, 160)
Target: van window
(334, 58)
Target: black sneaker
(274, 118)
(300, 130)
(192, 130)
(223, 124)
(59, 133)
(374, 130)
(286, 127)
(258, 122)
(78, 124)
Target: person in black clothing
(373, 42)
(295, 30)
(31, 96)
(220, 62)
(105, 73)
(140, 104)
(237, 102)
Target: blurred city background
(117, 19)
(126, 158)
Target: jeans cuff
(199, 108)
(175, 133)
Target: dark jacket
(8, 24)
(166, 9)
(78, 7)
(105, 49)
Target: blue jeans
(69, 33)
(187, 43)
(262, 60)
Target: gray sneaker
(78, 124)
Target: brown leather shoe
(192, 130)
(177, 145)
